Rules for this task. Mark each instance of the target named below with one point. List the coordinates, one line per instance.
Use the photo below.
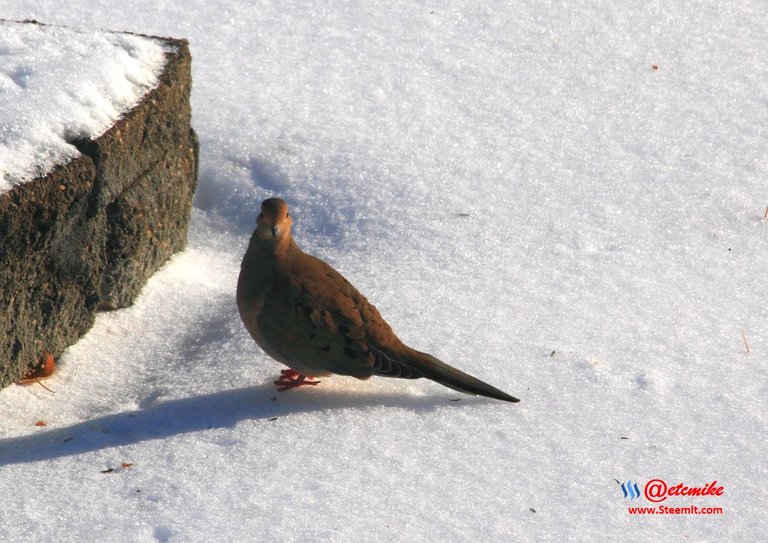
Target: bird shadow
(223, 409)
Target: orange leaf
(45, 370)
(40, 423)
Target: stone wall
(88, 235)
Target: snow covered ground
(566, 201)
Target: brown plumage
(306, 315)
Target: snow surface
(522, 194)
(60, 84)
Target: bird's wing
(317, 321)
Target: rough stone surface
(89, 234)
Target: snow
(60, 84)
(522, 194)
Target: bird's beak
(275, 231)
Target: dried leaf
(40, 423)
(43, 371)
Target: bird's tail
(440, 372)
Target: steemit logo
(657, 490)
(630, 490)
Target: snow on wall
(59, 84)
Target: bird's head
(274, 221)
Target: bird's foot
(290, 379)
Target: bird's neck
(268, 253)
(265, 260)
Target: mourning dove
(305, 314)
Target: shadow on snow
(199, 413)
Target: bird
(306, 315)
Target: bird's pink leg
(290, 379)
